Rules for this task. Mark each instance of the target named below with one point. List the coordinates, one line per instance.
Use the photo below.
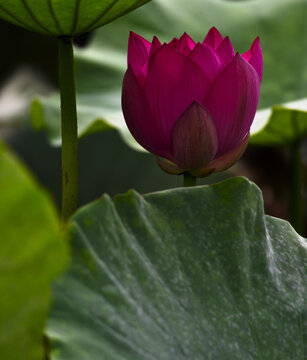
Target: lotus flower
(192, 105)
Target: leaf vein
(77, 16)
(30, 12)
(103, 13)
(22, 24)
(52, 13)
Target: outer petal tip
(155, 45)
(225, 51)
(213, 38)
(254, 57)
(138, 52)
(184, 45)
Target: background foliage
(32, 253)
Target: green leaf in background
(65, 17)
(281, 25)
(198, 273)
(32, 253)
(280, 125)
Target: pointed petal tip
(238, 59)
(215, 31)
(257, 40)
(213, 28)
(256, 44)
(254, 57)
(225, 51)
(133, 34)
(213, 38)
(155, 45)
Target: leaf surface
(198, 273)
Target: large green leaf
(281, 125)
(198, 273)
(281, 25)
(32, 253)
(65, 17)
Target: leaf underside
(70, 18)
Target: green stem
(69, 128)
(188, 180)
(296, 184)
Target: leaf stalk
(69, 128)
(189, 180)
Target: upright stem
(69, 128)
(189, 180)
(296, 179)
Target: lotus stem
(69, 128)
(189, 180)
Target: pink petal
(138, 117)
(155, 45)
(254, 57)
(194, 138)
(207, 59)
(229, 158)
(213, 38)
(173, 82)
(232, 102)
(138, 52)
(174, 43)
(225, 51)
(185, 44)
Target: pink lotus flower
(191, 104)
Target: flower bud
(192, 105)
